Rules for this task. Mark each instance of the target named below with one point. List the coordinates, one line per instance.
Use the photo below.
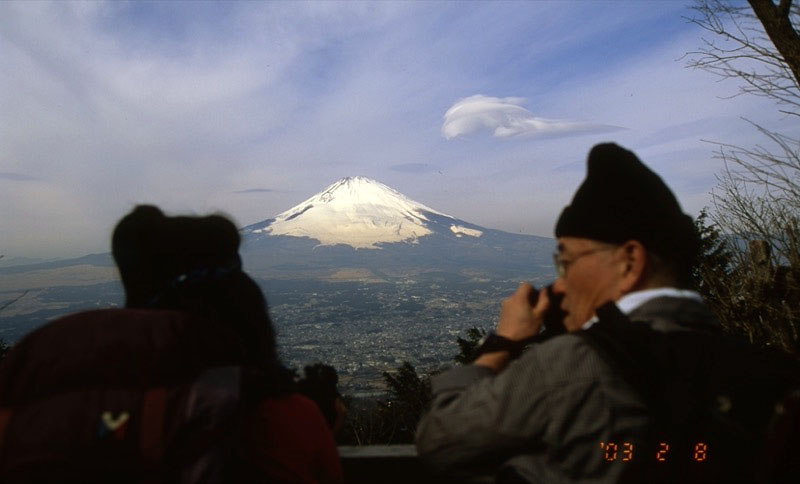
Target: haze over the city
(483, 111)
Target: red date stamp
(625, 452)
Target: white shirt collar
(633, 300)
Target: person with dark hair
(184, 384)
(192, 264)
(319, 384)
(620, 395)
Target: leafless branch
(741, 49)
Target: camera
(554, 316)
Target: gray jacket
(548, 412)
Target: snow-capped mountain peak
(357, 191)
(359, 212)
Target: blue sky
(248, 108)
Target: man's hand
(518, 320)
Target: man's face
(591, 278)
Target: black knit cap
(152, 250)
(621, 199)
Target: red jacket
(291, 442)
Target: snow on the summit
(356, 211)
(459, 231)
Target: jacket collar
(665, 304)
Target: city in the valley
(362, 328)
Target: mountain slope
(356, 211)
(330, 231)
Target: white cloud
(506, 117)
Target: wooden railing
(372, 464)
(395, 464)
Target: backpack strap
(624, 346)
(151, 439)
(645, 359)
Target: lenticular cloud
(505, 117)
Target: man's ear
(633, 266)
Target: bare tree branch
(744, 48)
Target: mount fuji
(361, 213)
(361, 229)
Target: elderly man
(562, 411)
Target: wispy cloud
(505, 117)
(414, 168)
(17, 177)
(255, 190)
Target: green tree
(366, 423)
(468, 346)
(394, 419)
(4, 349)
(409, 398)
(712, 272)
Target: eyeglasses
(562, 265)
